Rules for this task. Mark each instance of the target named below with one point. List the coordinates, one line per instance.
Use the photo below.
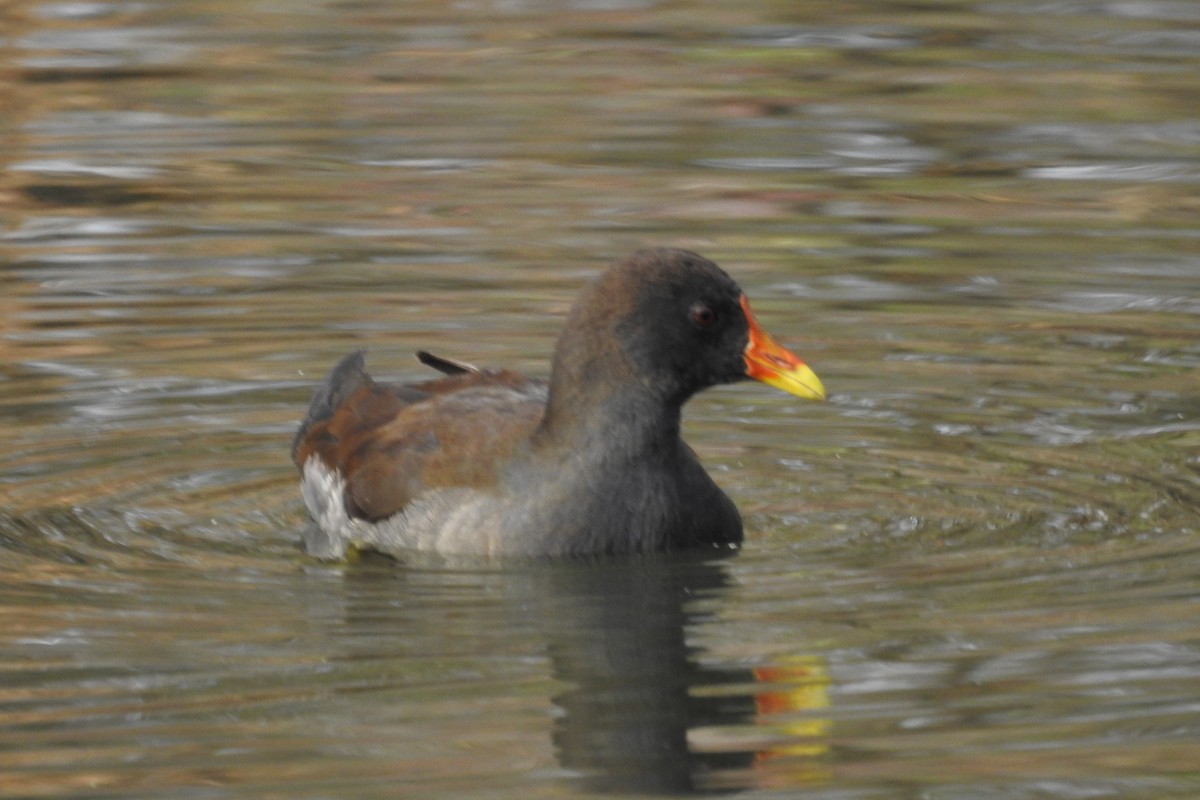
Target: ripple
(1180, 172)
(767, 164)
(102, 48)
(1107, 139)
(56, 228)
(75, 10)
(1146, 43)
(877, 147)
(62, 166)
(432, 164)
(1175, 10)
(1100, 302)
(832, 38)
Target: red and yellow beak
(773, 364)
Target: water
(973, 573)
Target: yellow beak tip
(800, 382)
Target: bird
(591, 463)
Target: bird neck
(602, 404)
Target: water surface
(973, 573)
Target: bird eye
(702, 316)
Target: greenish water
(973, 573)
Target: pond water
(975, 572)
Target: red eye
(703, 316)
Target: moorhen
(489, 462)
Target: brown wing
(390, 442)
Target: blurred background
(975, 572)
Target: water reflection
(638, 709)
(636, 688)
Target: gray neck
(624, 423)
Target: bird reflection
(640, 709)
(621, 646)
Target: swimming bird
(487, 462)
